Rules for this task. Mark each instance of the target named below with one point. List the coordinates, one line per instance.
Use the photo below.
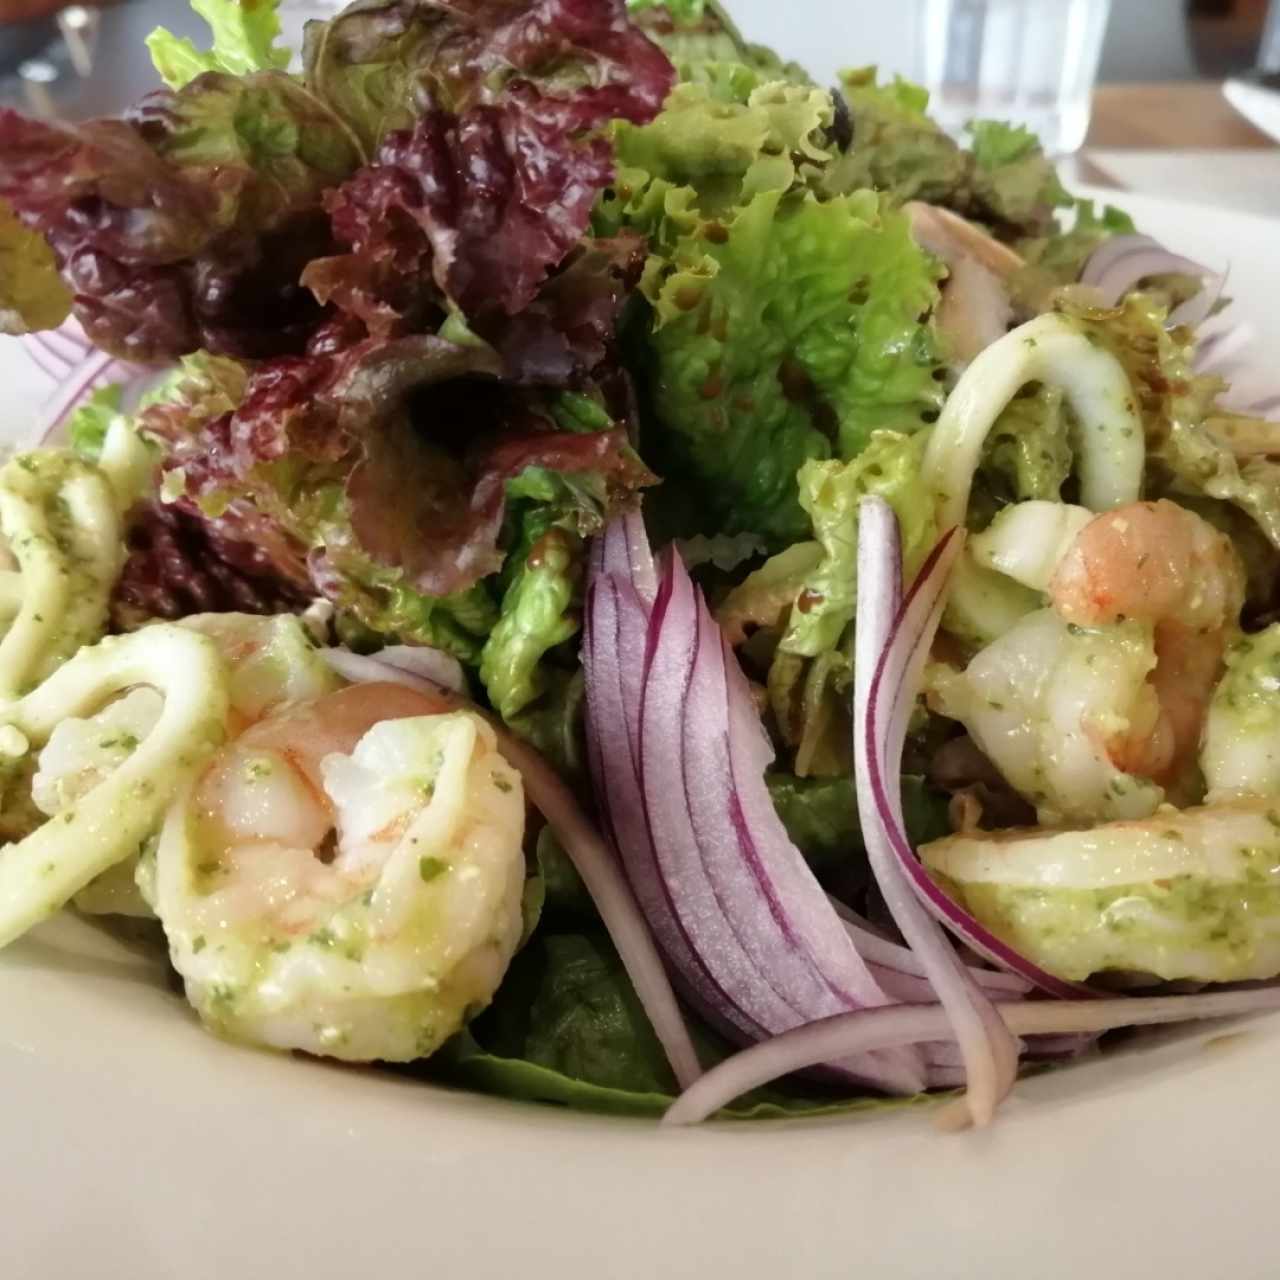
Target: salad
(574, 561)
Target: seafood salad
(568, 558)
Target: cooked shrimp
(1113, 685)
(346, 876)
(1055, 708)
(1190, 894)
(1160, 564)
(1240, 755)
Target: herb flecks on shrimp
(346, 877)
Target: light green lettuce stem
(41, 873)
(537, 614)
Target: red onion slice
(889, 658)
(77, 369)
(943, 908)
(678, 754)
(399, 664)
(854, 1033)
(588, 852)
(1119, 263)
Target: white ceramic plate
(136, 1145)
(1259, 105)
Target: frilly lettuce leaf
(1057, 257)
(32, 295)
(766, 594)
(896, 147)
(206, 208)
(244, 39)
(794, 325)
(559, 70)
(1005, 179)
(703, 43)
(1013, 180)
(725, 149)
(830, 492)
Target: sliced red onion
(396, 662)
(897, 966)
(1119, 263)
(77, 369)
(587, 851)
(854, 1033)
(889, 658)
(943, 908)
(678, 754)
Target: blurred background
(1095, 78)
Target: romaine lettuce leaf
(244, 40)
(821, 817)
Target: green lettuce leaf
(896, 147)
(288, 148)
(795, 325)
(712, 148)
(566, 1028)
(1005, 179)
(32, 295)
(1013, 180)
(1184, 455)
(830, 492)
(1057, 258)
(244, 40)
(705, 45)
(1027, 453)
(88, 425)
(537, 613)
(821, 817)
(766, 595)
